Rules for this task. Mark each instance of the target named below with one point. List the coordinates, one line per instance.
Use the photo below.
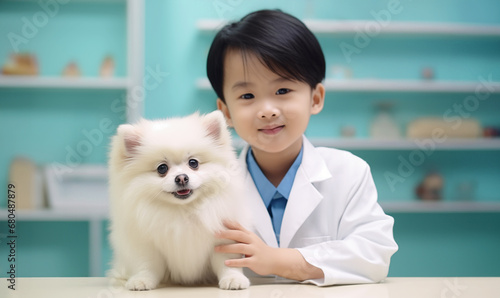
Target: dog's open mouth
(183, 193)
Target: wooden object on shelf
(24, 175)
(71, 70)
(21, 64)
(432, 127)
(491, 132)
(107, 67)
(427, 73)
(431, 188)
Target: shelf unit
(135, 106)
(404, 30)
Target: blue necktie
(277, 209)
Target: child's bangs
(276, 63)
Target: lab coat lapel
(304, 197)
(262, 222)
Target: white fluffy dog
(173, 182)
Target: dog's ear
(216, 126)
(131, 138)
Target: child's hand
(263, 259)
(259, 257)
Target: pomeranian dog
(172, 184)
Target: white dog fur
(162, 231)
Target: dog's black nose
(181, 179)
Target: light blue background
(42, 124)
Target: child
(315, 210)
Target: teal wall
(45, 124)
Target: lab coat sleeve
(365, 242)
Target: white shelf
(57, 215)
(407, 144)
(440, 207)
(406, 28)
(394, 28)
(63, 83)
(377, 85)
(403, 206)
(398, 144)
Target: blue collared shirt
(266, 189)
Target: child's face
(267, 111)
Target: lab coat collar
(304, 197)
(263, 225)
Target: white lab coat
(332, 217)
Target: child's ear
(131, 138)
(221, 106)
(318, 99)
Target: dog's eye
(162, 169)
(193, 163)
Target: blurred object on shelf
(427, 73)
(107, 67)
(384, 126)
(21, 64)
(434, 127)
(431, 188)
(465, 190)
(491, 132)
(348, 131)
(84, 186)
(340, 72)
(71, 70)
(27, 181)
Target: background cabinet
(348, 101)
(46, 117)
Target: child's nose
(268, 111)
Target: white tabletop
(262, 288)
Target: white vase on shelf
(384, 126)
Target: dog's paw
(234, 281)
(140, 283)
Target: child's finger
(243, 262)
(238, 248)
(234, 235)
(233, 225)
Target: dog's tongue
(183, 192)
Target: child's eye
(282, 91)
(247, 96)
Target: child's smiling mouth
(271, 130)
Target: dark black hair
(281, 41)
